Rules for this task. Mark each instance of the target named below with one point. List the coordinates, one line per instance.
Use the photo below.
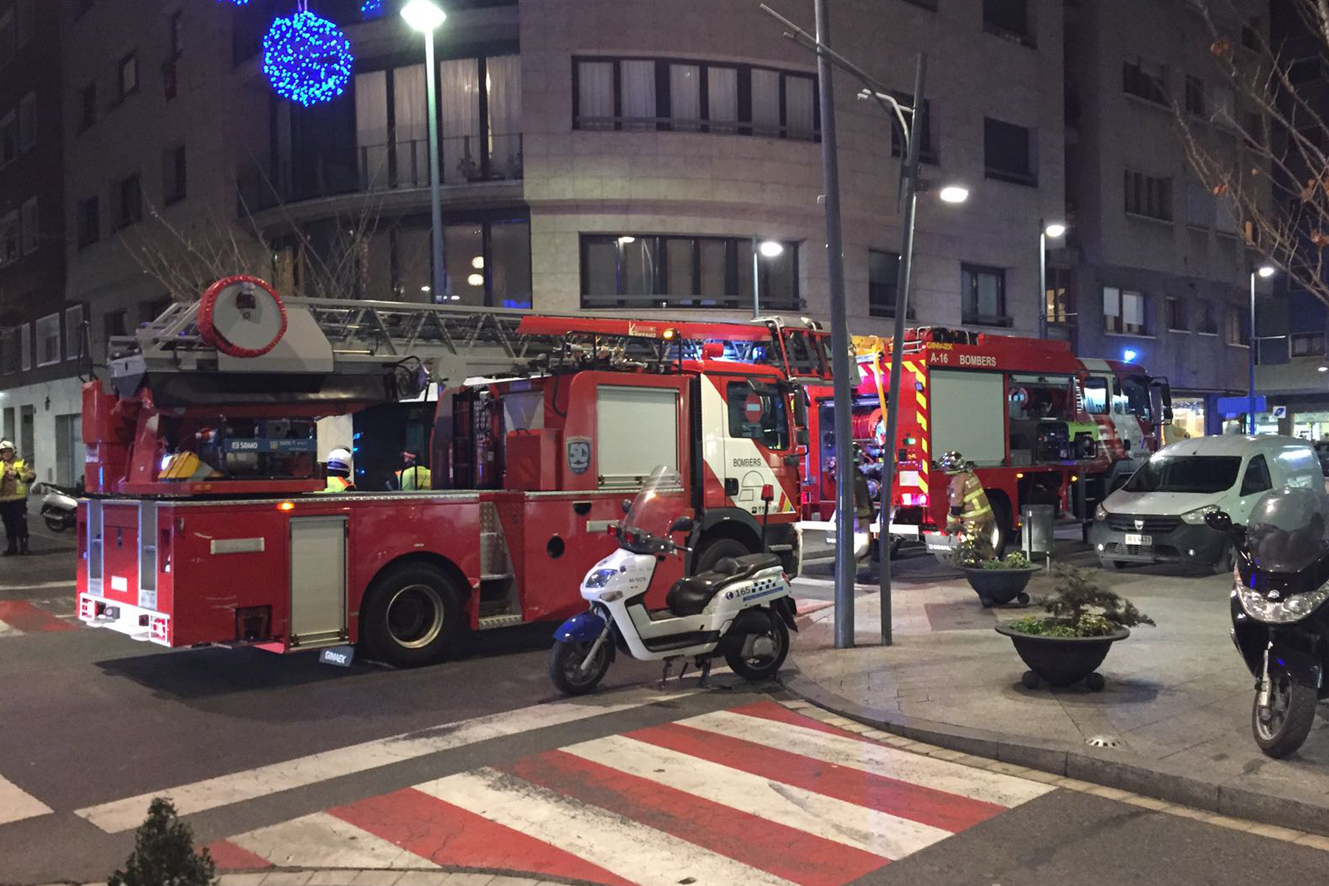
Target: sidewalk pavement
(1175, 714)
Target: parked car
(1158, 516)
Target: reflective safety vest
(185, 466)
(339, 484)
(966, 493)
(414, 477)
(14, 487)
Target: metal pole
(1042, 281)
(1250, 406)
(909, 181)
(846, 568)
(439, 279)
(756, 281)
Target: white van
(1158, 516)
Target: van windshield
(1186, 473)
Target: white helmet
(339, 460)
(7, 444)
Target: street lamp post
(1264, 271)
(426, 17)
(1046, 232)
(761, 249)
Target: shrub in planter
(164, 853)
(1000, 581)
(1068, 644)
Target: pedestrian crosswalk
(22, 617)
(756, 794)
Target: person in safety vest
(15, 475)
(413, 475)
(970, 515)
(339, 472)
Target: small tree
(1080, 607)
(164, 853)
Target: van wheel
(714, 551)
(411, 615)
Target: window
(680, 271)
(983, 291)
(29, 225)
(8, 35)
(87, 106)
(1007, 17)
(1199, 205)
(74, 332)
(9, 238)
(1058, 299)
(1096, 395)
(127, 76)
(89, 221)
(8, 138)
(883, 280)
(927, 148)
(1204, 319)
(130, 203)
(1148, 196)
(25, 347)
(174, 34)
(1194, 96)
(1257, 477)
(9, 349)
(1008, 152)
(1250, 33)
(757, 412)
(1307, 344)
(1176, 314)
(1234, 332)
(650, 94)
(27, 21)
(174, 179)
(1124, 311)
(27, 122)
(48, 340)
(1145, 80)
(114, 324)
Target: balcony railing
(400, 164)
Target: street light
(953, 194)
(1264, 272)
(761, 249)
(426, 17)
(1046, 232)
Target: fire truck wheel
(715, 550)
(411, 615)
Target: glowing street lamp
(1046, 232)
(427, 17)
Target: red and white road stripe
(757, 794)
(22, 617)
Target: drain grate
(1103, 741)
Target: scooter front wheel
(1282, 727)
(761, 654)
(55, 524)
(565, 666)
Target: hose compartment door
(318, 581)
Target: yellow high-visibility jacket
(14, 479)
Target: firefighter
(413, 475)
(971, 514)
(15, 475)
(339, 472)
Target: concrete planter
(1061, 661)
(999, 585)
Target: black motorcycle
(1280, 622)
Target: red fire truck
(543, 426)
(1032, 417)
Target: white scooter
(741, 609)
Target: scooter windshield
(1286, 530)
(660, 501)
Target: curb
(371, 877)
(1101, 766)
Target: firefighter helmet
(7, 444)
(339, 460)
(953, 462)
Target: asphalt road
(88, 718)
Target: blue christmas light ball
(371, 8)
(307, 59)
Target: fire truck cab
(531, 466)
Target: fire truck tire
(715, 550)
(411, 616)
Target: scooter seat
(690, 595)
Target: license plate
(1142, 540)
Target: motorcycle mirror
(682, 524)
(627, 505)
(1218, 521)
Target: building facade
(39, 331)
(1157, 267)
